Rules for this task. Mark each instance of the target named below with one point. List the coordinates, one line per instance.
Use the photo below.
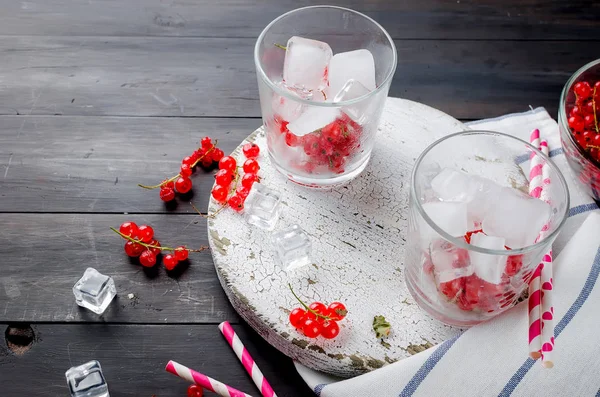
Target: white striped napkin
(491, 359)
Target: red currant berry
(155, 243)
(207, 162)
(311, 328)
(206, 143)
(249, 179)
(594, 153)
(199, 153)
(187, 160)
(145, 233)
(217, 154)
(243, 191)
(583, 90)
(588, 121)
(251, 166)
(319, 308)
(185, 170)
(181, 253)
(147, 259)
(311, 145)
(133, 249)
(588, 108)
(596, 140)
(167, 184)
(236, 203)
(587, 137)
(228, 163)
(330, 329)
(576, 123)
(297, 317)
(170, 261)
(183, 185)
(337, 311)
(195, 391)
(291, 139)
(251, 150)
(129, 229)
(223, 178)
(576, 111)
(219, 193)
(167, 194)
(597, 90)
(283, 126)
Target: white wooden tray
(358, 235)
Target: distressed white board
(358, 235)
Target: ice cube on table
(516, 216)
(488, 267)
(356, 65)
(351, 90)
(449, 261)
(262, 207)
(306, 64)
(87, 380)
(293, 247)
(314, 118)
(94, 291)
(451, 217)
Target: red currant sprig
(205, 155)
(317, 319)
(141, 243)
(583, 117)
(195, 391)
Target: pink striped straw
(547, 308)
(247, 361)
(534, 301)
(204, 381)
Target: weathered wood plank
(432, 19)
(43, 255)
(93, 164)
(174, 76)
(133, 359)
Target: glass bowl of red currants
(579, 125)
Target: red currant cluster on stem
(141, 243)
(206, 155)
(317, 319)
(232, 189)
(583, 117)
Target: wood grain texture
(175, 76)
(45, 254)
(465, 19)
(133, 359)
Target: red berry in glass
(129, 229)
(217, 154)
(583, 90)
(251, 150)
(154, 250)
(170, 261)
(297, 317)
(576, 123)
(195, 391)
(576, 111)
(183, 185)
(223, 177)
(206, 143)
(330, 329)
(236, 203)
(181, 253)
(588, 121)
(311, 328)
(167, 194)
(337, 311)
(249, 179)
(587, 137)
(291, 139)
(587, 108)
(219, 193)
(596, 140)
(251, 166)
(145, 233)
(147, 259)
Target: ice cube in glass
(306, 64)
(87, 380)
(355, 65)
(353, 89)
(488, 267)
(262, 207)
(293, 247)
(94, 291)
(312, 119)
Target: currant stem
(280, 46)
(153, 246)
(306, 307)
(594, 108)
(214, 146)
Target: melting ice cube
(87, 380)
(312, 119)
(488, 267)
(351, 90)
(449, 261)
(451, 217)
(293, 247)
(306, 63)
(352, 65)
(516, 216)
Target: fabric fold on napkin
(490, 359)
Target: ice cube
(306, 63)
(449, 261)
(94, 291)
(286, 108)
(293, 247)
(357, 111)
(488, 267)
(87, 380)
(356, 65)
(451, 217)
(516, 216)
(262, 207)
(313, 119)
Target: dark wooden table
(97, 96)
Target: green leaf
(381, 327)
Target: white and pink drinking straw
(204, 381)
(547, 312)
(247, 361)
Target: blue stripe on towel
(319, 389)
(523, 158)
(580, 209)
(514, 381)
(427, 366)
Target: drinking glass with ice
(474, 231)
(323, 76)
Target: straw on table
(202, 380)
(247, 361)
(547, 312)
